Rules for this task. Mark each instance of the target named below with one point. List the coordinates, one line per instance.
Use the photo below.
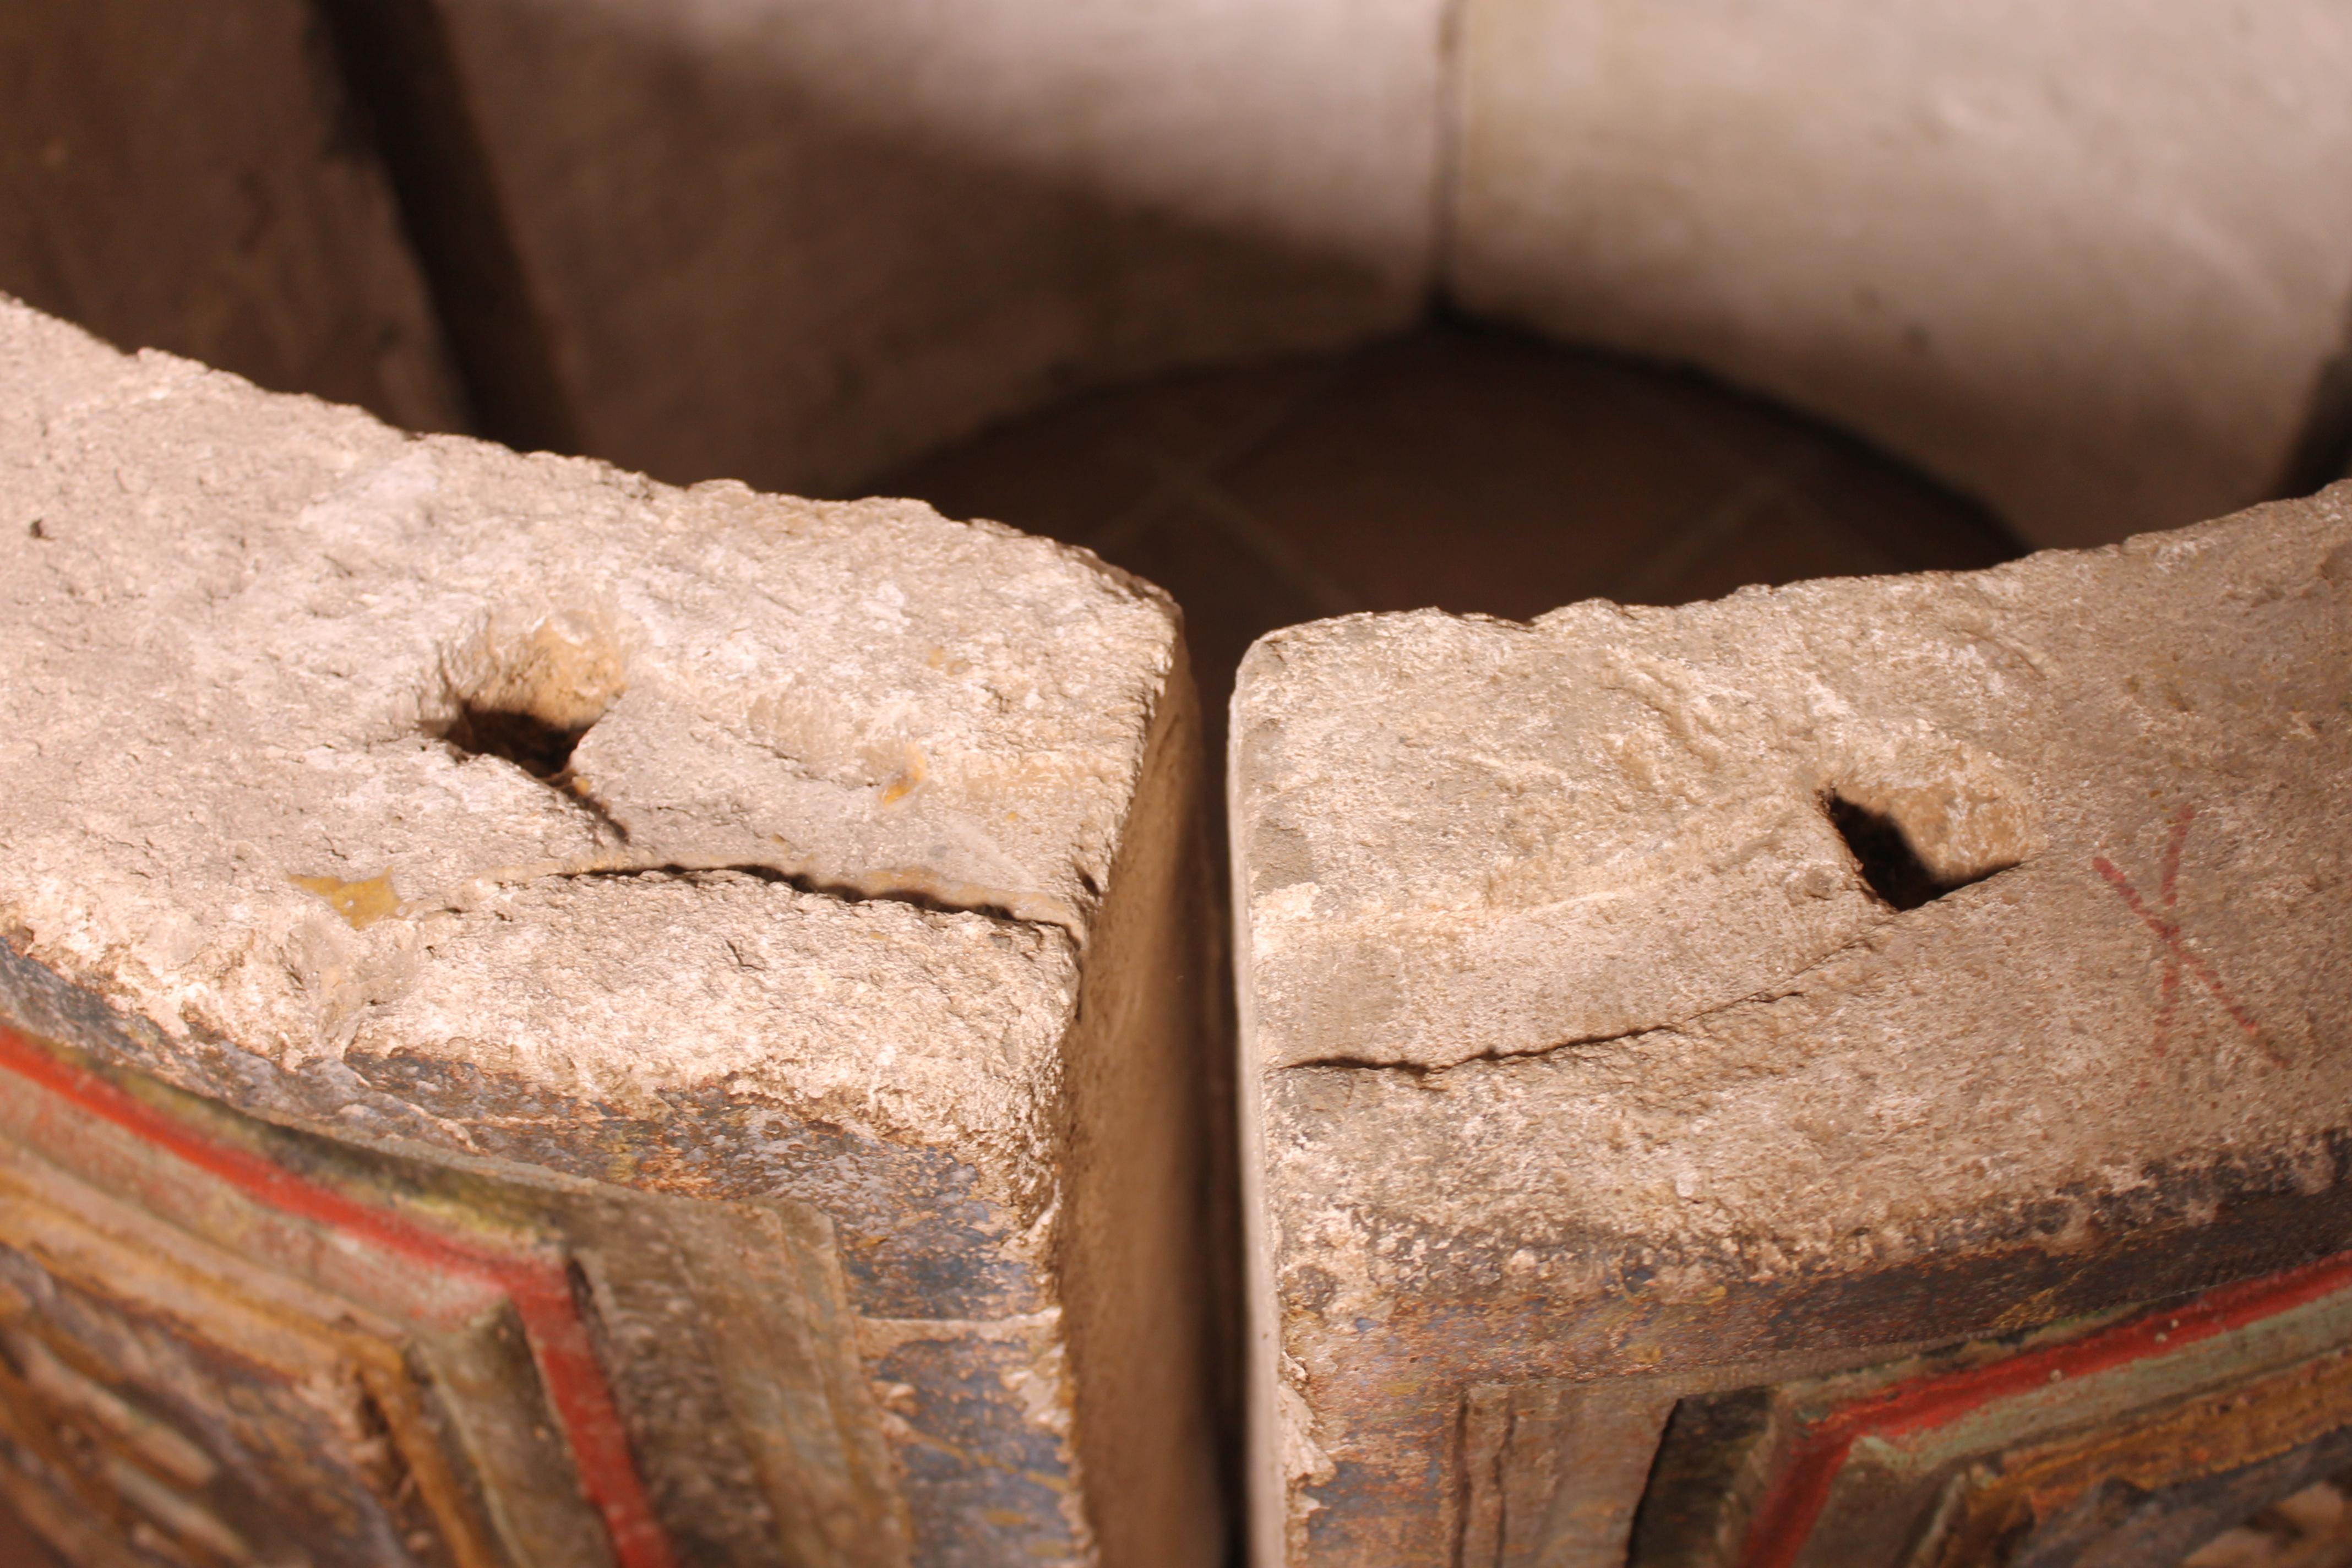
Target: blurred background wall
(2090, 264)
(196, 178)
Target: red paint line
(2169, 885)
(1789, 1511)
(540, 1291)
(2166, 928)
(2168, 933)
(2169, 1007)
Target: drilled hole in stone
(1889, 862)
(539, 747)
(529, 697)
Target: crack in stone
(1779, 990)
(572, 785)
(1003, 910)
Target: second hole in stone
(1889, 864)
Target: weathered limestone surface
(796, 240)
(2092, 262)
(870, 883)
(190, 178)
(1580, 1046)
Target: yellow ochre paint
(360, 903)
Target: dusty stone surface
(819, 903)
(797, 241)
(193, 178)
(1581, 1043)
(241, 662)
(2092, 264)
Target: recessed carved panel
(226, 1344)
(2114, 1443)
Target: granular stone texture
(1642, 1001)
(699, 842)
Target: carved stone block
(799, 241)
(748, 951)
(1662, 1025)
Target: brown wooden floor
(1459, 466)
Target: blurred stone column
(796, 241)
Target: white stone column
(2090, 262)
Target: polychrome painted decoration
(226, 1342)
(2124, 1441)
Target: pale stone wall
(2092, 262)
(1591, 1057)
(526, 811)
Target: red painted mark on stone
(2163, 920)
(539, 1288)
(1789, 1511)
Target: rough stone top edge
(322, 738)
(1563, 910)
